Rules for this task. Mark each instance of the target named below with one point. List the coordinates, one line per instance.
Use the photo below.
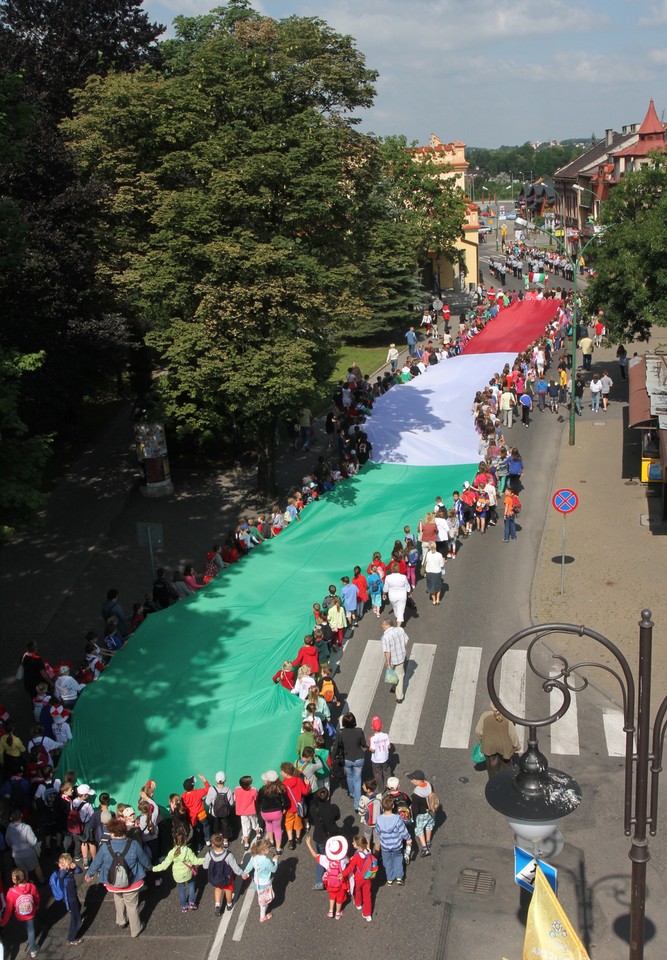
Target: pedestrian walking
(395, 648)
(361, 871)
(511, 506)
(262, 868)
(334, 861)
(22, 901)
(64, 880)
(391, 836)
(498, 738)
(122, 864)
(379, 745)
(183, 863)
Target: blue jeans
(32, 940)
(319, 870)
(509, 528)
(186, 891)
(595, 402)
(392, 861)
(353, 770)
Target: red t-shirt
(362, 586)
(194, 802)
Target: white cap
(85, 791)
(220, 777)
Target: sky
(493, 72)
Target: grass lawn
(369, 359)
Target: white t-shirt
(379, 744)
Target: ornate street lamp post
(636, 726)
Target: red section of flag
(514, 328)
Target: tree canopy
(631, 259)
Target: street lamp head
(532, 796)
(520, 222)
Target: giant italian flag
(192, 690)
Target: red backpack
(333, 878)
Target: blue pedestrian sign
(565, 500)
(525, 865)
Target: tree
(235, 214)
(631, 279)
(22, 458)
(57, 44)
(56, 299)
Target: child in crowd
(181, 859)
(363, 868)
(327, 686)
(375, 589)
(286, 676)
(66, 874)
(221, 866)
(379, 746)
(334, 861)
(262, 869)
(245, 799)
(22, 902)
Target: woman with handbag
(183, 863)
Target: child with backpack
(374, 581)
(245, 803)
(221, 866)
(334, 860)
(362, 870)
(220, 802)
(63, 888)
(181, 859)
(370, 807)
(323, 752)
(22, 901)
(327, 686)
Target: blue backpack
(57, 886)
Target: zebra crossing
(467, 698)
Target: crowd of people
(127, 846)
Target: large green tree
(55, 297)
(22, 456)
(631, 258)
(237, 187)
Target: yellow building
(452, 157)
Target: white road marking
(462, 694)
(243, 916)
(405, 723)
(613, 731)
(512, 690)
(366, 679)
(564, 732)
(216, 947)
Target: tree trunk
(266, 459)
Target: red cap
(376, 723)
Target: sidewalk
(618, 560)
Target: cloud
(658, 15)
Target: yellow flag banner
(549, 934)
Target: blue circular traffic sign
(565, 501)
